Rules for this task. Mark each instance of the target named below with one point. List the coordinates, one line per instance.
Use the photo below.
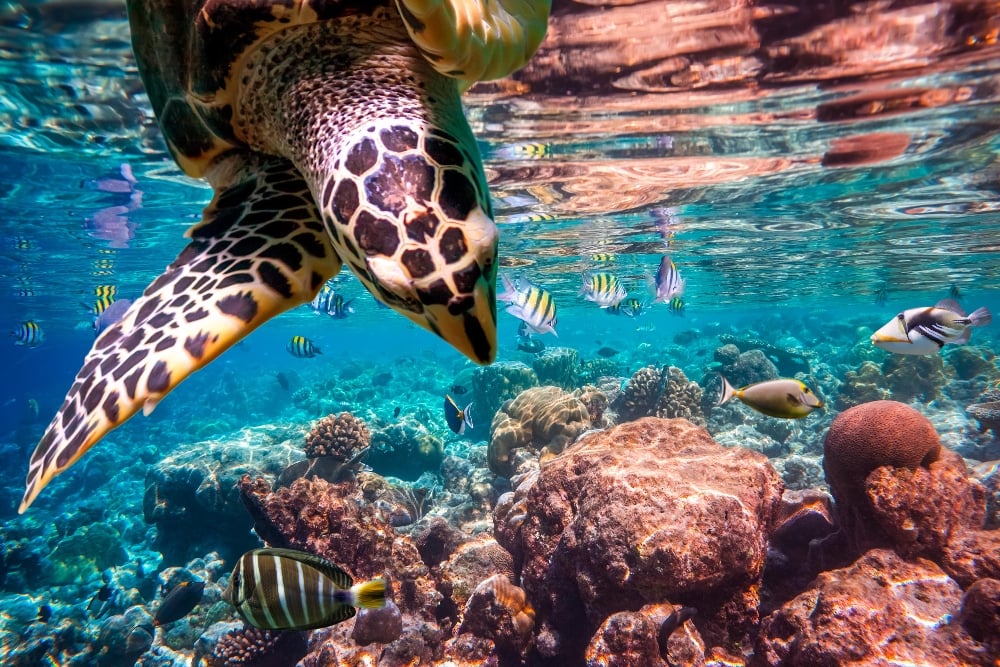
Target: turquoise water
(794, 210)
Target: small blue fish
(458, 420)
(332, 303)
(302, 347)
(531, 304)
(603, 288)
(110, 314)
(668, 281)
(28, 333)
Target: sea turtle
(333, 133)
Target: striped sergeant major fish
(302, 347)
(531, 304)
(603, 288)
(28, 333)
(285, 589)
(631, 307)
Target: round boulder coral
(340, 436)
(869, 436)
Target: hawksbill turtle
(332, 132)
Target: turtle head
(409, 212)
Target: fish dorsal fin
(950, 304)
(322, 565)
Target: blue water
(776, 241)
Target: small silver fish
(926, 330)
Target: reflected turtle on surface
(332, 133)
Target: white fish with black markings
(669, 283)
(926, 330)
(285, 589)
(531, 304)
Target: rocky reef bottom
(646, 543)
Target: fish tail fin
(468, 415)
(369, 595)
(728, 391)
(980, 317)
(509, 291)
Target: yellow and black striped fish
(531, 304)
(302, 347)
(631, 307)
(676, 305)
(285, 589)
(603, 288)
(28, 333)
(106, 291)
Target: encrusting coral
(339, 436)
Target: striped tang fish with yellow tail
(285, 589)
(531, 304)
(603, 288)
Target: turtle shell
(186, 55)
(189, 55)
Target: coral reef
(339, 436)
(986, 411)
(498, 610)
(557, 366)
(192, 497)
(88, 551)
(972, 361)
(790, 360)
(405, 449)
(864, 385)
(542, 419)
(743, 368)
(863, 438)
(378, 625)
(589, 538)
(624, 638)
(471, 563)
(499, 382)
(659, 392)
(592, 370)
(251, 647)
(909, 377)
(879, 610)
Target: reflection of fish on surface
(302, 347)
(882, 295)
(111, 223)
(179, 602)
(285, 589)
(458, 419)
(28, 333)
(926, 330)
(785, 398)
(531, 304)
(603, 288)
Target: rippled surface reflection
(801, 150)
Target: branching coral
(251, 647)
(339, 436)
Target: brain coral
(866, 437)
(539, 418)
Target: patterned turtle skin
(332, 132)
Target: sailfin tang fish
(784, 398)
(926, 330)
(285, 589)
(458, 420)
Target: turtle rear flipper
(259, 250)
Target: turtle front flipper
(476, 40)
(259, 250)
